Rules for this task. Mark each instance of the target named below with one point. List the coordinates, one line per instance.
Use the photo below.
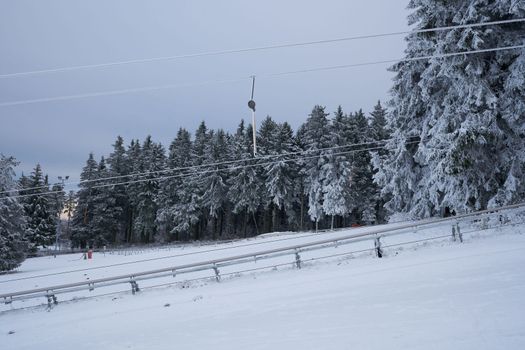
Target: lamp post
(59, 210)
(251, 105)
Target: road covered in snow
(442, 295)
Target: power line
(259, 48)
(192, 167)
(120, 92)
(408, 59)
(271, 75)
(161, 178)
(207, 171)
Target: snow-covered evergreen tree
(38, 210)
(280, 176)
(380, 134)
(336, 172)
(363, 192)
(244, 181)
(13, 243)
(457, 121)
(105, 224)
(315, 138)
(177, 213)
(378, 124)
(81, 224)
(133, 156)
(119, 168)
(214, 180)
(151, 162)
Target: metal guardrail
(214, 264)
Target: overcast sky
(37, 35)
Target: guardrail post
(297, 259)
(377, 245)
(217, 273)
(134, 286)
(91, 286)
(51, 300)
(453, 233)
(174, 273)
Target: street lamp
(59, 211)
(251, 105)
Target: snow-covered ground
(442, 295)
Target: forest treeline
(209, 185)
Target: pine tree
(214, 181)
(151, 160)
(380, 134)
(194, 185)
(13, 243)
(451, 116)
(105, 224)
(82, 221)
(38, 210)
(363, 187)
(267, 139)
(177, 213)
(316, 138)
(135, 166)
(119, 169)
(245, 181)
(336, 172)
(378, 125)
(280, 175)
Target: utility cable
(161, 178)
(207, 165)
(259, 48)
(271, 75)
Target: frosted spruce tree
(336, 173)
(133, 156)
(378, 125)
(245, 187)
(13, 243)
(119, 168)
(379, 133)
(280, 175)
(363, 187)
(38, 210)
(105, 224)
(457, 122)
(151, 161)
(214, 181)
(315, 137)
(177, 214)
(82, 220)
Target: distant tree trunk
(255, 224)
(275, 218)
(302, 212)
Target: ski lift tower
(251, 105)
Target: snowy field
(433, 295)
